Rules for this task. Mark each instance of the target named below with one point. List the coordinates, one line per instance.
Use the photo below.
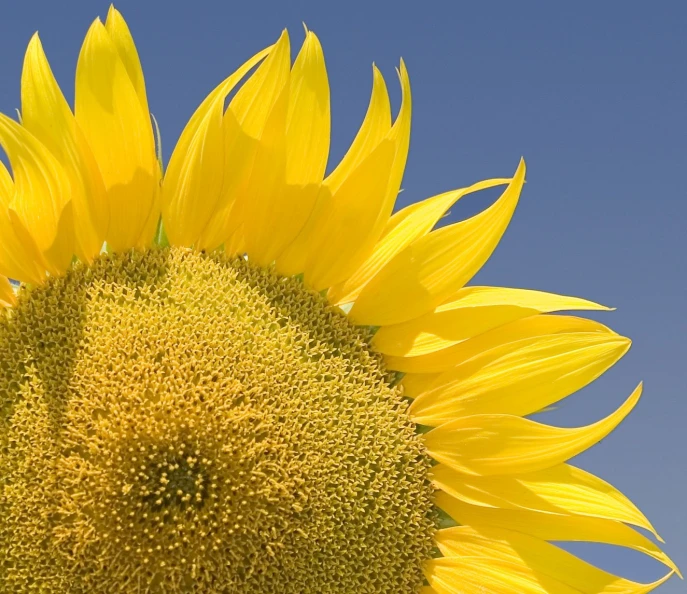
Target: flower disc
(178, 422)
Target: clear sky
(592, 94)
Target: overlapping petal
(111, 109)
(520, 377)
(195, 178)
(20, 257)
(46, 114)
(40, 206)
(528, 328)
(454, 575)
(254, 115)
(490, 444)
(356, 202)
(375, 127)
(560, 489)
(402, 229)
(552, 527)
(533, 556)
(472, 311)
(289, 167)
(434, 267)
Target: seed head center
(181, 422)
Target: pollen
(172, 421)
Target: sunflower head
(237, 374)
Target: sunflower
(240, 375)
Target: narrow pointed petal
(267, 203)
(470, 575)
(126, 49)
(553, 527)
(46, 114)
(265, 102)
(7, 296)
(20, 257)
(350, 223)
(302, 153)
(561, 489)
(192, 187)
(349, 209)
(503, 444)
(527, 328)
(109, 110)
(400, 136)
(402, 229)
(309, 118)
(519, 378)
(434, 267)
(124, 43)
(472, 311)
(41, 200)
(253, 122)
(533, 555)
(374, 128)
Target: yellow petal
(472, 311)
(434, 267)
(147, 238)
(503, 444)
(376, 125)
(553, 527)
(268, 223)
(374, 128)
(20, 257)
(276, 220)
(400, 136)
(415, 384)
(561, 489)
(124, 43)
(519, 378)
(282, 120)
(46, 114)
(40, 203)
(263, 203)
(521, 329)
(126, 49)
(348, 225)
(6, 186)
(245, 124)
(404, 227)
(309, 119)
(194, 179)
(470, 575)
(111, 114)
(7, 296)
(336, 239)
(534, 556)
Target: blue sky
(592, 95)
